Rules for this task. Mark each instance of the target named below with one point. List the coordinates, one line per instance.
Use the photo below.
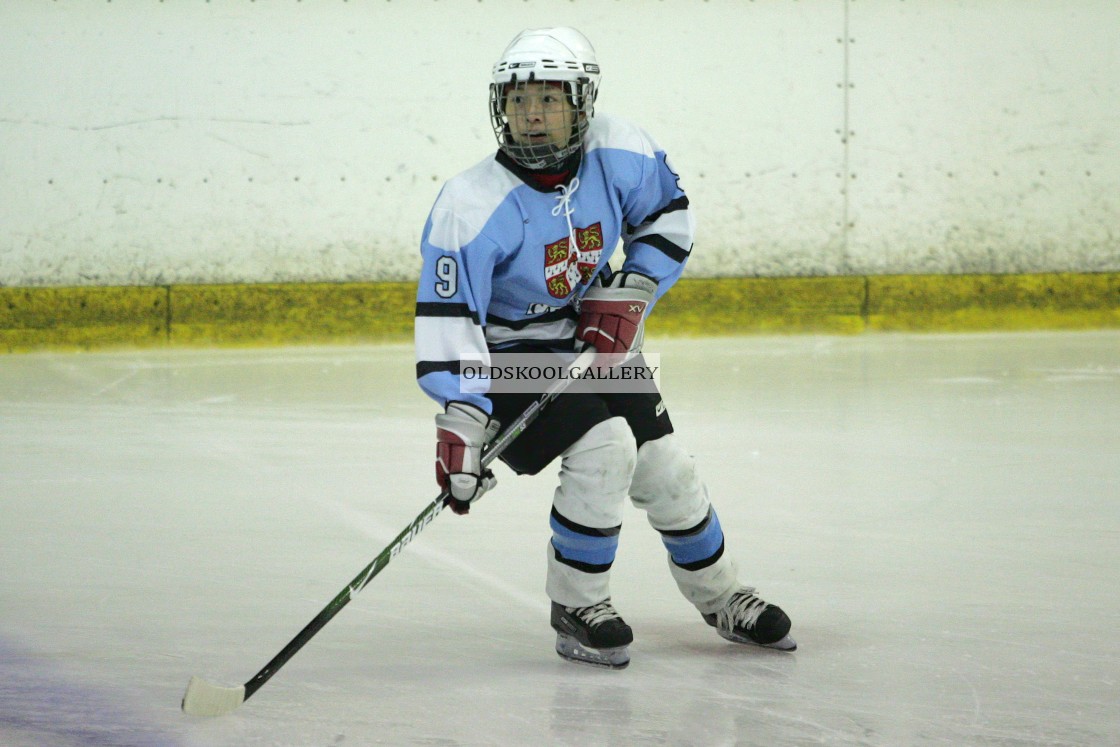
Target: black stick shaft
(418, 524)
(344, 596)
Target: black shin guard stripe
(585, 567)
(690, 531)
(581, 529)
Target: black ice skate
(747, 619)
(594, 635)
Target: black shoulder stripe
(446, 309)
(668, 248)
(423, 368)
(681, 203)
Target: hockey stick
(204, 698)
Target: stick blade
(207, 699)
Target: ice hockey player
(515, 259)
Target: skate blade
(785, 644)
(608, 658)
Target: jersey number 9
(448, 273)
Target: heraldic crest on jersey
(565, 266)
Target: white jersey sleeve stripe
(449, 338)
(672, 233)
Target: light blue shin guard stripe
(699, 546)
(583, 548)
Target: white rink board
(1003, 155)
(148, 142)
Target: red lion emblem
(564, 268)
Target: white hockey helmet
(562, 55)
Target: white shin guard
(667, 487)
(595, 475)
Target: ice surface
(939, 514)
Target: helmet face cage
(581, 97)
(560, 57)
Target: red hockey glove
(461, 432)
(612, 316)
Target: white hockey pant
(596, 474)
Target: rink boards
(91, 317)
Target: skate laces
(596, 614)
(744, 608)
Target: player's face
(539, 114)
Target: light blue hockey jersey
(504, 261)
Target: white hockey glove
(612, 316)
(461, 432)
